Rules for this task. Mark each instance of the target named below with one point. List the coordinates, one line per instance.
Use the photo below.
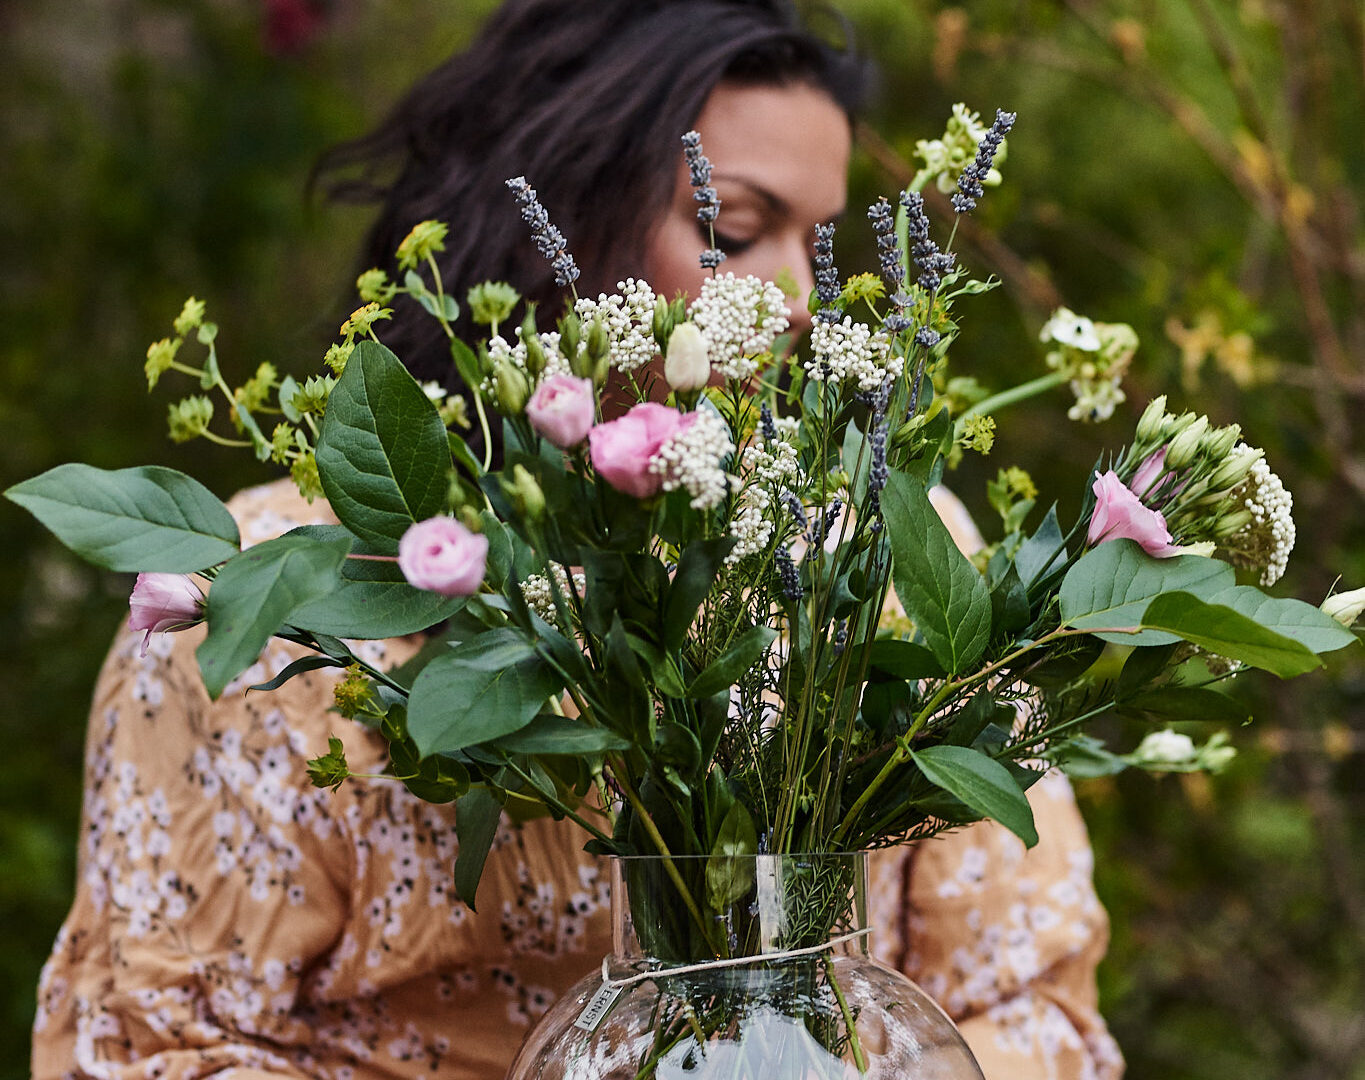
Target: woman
(229, 916)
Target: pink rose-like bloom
(562, 410)
(621, 449)
(1120, 515)
(1149, 472)
(442, 556)
(163, 602)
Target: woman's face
(780, 156)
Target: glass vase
(750, 967)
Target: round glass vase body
(752, 967)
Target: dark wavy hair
(588, 100)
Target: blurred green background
(1192, 167)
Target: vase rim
(854, 853)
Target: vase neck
(694, 908)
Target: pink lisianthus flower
(1120, 515)
(621, 449)
(163, 602)
(442, 556)
(562, 410)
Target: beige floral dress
(232, 919)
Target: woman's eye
(731, 245)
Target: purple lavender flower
(766, 424)
(888, 253)
(789, 575)
(969, 187)
(699, 176)
(877, 475)
(826, 277)
(932, 263)
(549, 240)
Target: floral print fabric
(230, 918)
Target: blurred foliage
(1191, 167)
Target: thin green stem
(1012, 396)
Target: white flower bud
(687, 366)
(1345, 607)
(1165, 748)
(1149, 425)
(1184, 446)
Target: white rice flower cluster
(692, 459)
(501, 351)
(752, 527)
(628, 316)
(1268, 539)
(769, 466)
(539, 596)
(1094, 356)
(740, 319)
(850, 352)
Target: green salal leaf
(372, 600)
(373, 610)
(550, 733)
(1306, 624)
(746, 651)
(130, 520)
(904, 659)
(1109, 588)
(255, 595)
(383, 452)
(730, 867)
(1179, 704)
(698, 566)
(1221, 630)
(483, 689)
(980, 782)
(942, 593)
(477, 813)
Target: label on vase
(597, 1007)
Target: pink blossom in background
(163, 602)
(1120, 515)
(442, 556)
(621, 449)
(563, 409)
(291, 25)
(1149, 472)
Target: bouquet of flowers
(703, 605)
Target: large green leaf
(1177, 704)
(1306, 624)
(550, 733)
(697, 569)
(941, 591)
(1229, 633)
(255, 594)
(145, 519)
(1110, 587)
(982, 783)
(376, 609)
(383, 454)
(734, 662)
(487, 687)
(476, 824)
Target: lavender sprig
(932, 263)
(969, 187)
(893, 271)
(699, 176)
(549, 240)
(790, 576)
(826, 277)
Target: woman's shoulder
(266, 511)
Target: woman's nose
(804, 277)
